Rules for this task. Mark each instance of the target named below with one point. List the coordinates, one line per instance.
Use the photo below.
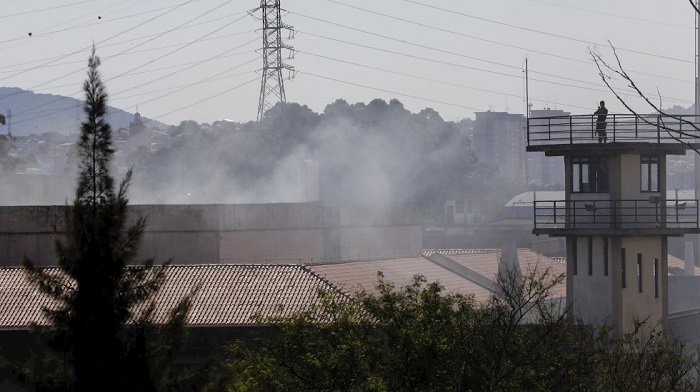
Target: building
(542, 171)
(615, 215)
(234, 301)
(499, 141)
(276, 233)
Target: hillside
(38, 113)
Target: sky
(201, 60)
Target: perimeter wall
(234, 233)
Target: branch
(620, 71)
(694, 6)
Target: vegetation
(421, 338)
(411, 156)
(102, 333)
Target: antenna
(527, 95)
(272, 82)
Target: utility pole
(9, 122)
(272, 83)
(696, 237)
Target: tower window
(624, 268)
(575, 252)
(589, 174)
(590, 256)
(650, 173)
(639, 271)
(605, 256)
(656, 278)
(459, 207)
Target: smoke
(362, 153)
(375, 152)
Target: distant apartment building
(546, 171)
(499, 141)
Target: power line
(182, 70)
(104, 40)
(45, 9)
(388, 91)
(177, 89)
(614, 15)
(468, 67)
(133, 47)
(112, 95)
(431, 80)
(529, 50)
(43, 33)
(45, 113)
(454, 54)
(32, 110)
(206, 99)
(110, 57)
(179, 48)
(545, 33)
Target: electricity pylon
(272, 83)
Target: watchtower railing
(576, 129)
(652, 213)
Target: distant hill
(39, 113)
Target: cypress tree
(96, 338)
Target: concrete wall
(645, 303)
(36, 189)
(592, 285)
(685, 326)
(599, 297)
(376, 231)
(683, 293)
(241, 233)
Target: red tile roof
(355, 275)
(676, 266)
(229, 294)
(485, 263)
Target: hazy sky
(177, 60)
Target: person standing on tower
(601, 123)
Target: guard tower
(616, 216)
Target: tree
(97, 334)
(416, 338)
(658, 362)
(421, 338)
(608, 72)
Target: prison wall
(236, 233)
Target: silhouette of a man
(600, 124)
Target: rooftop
(229, 295)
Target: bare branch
(602, 66)
(694, 6)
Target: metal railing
(653, 213)
(577, 129)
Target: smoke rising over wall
(374, 152)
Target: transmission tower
(272, 83)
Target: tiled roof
(355, 275)
(486, 265)
(229, 294)
(676, 267)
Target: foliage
(375, 151)
(421, 338)
(98, 294)
(645, 359)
